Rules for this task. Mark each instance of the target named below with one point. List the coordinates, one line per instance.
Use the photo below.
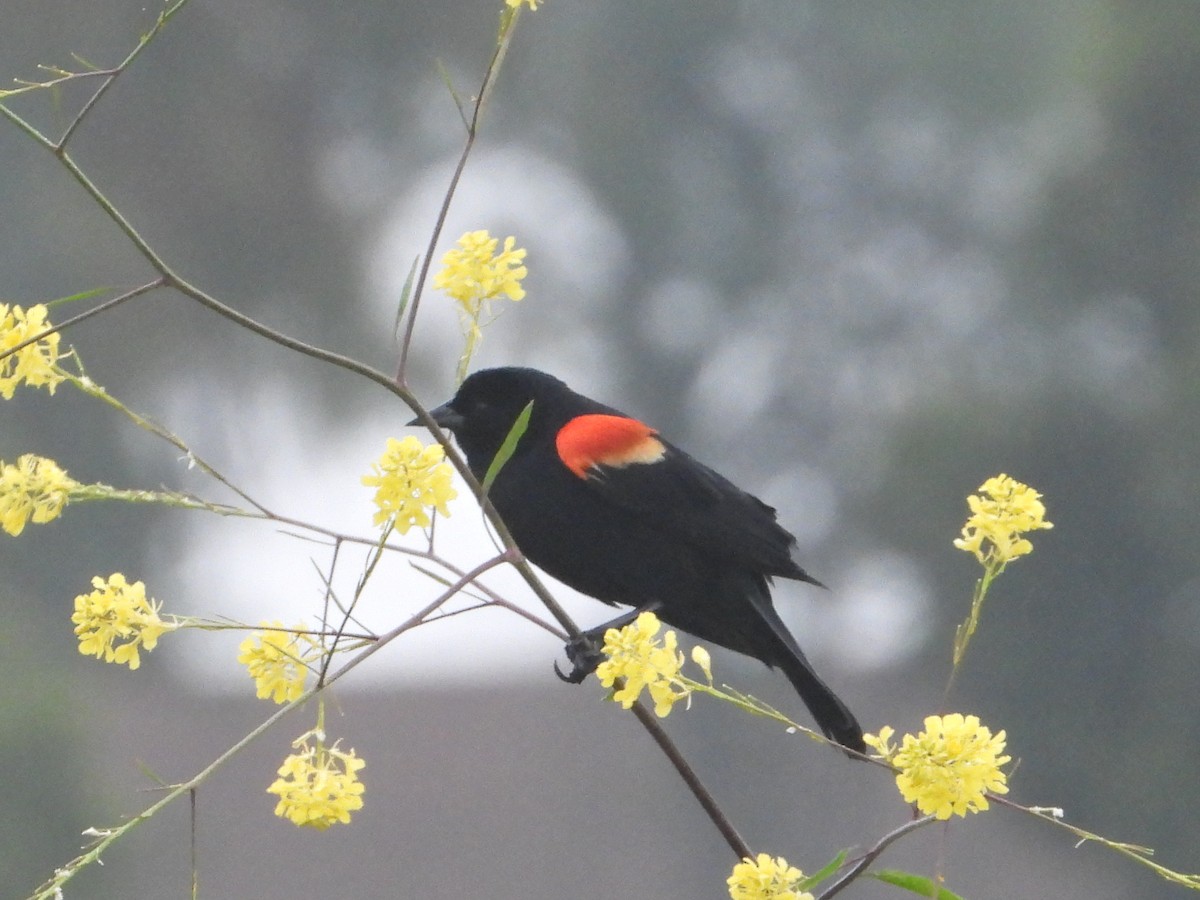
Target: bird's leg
(584, 652)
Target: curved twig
(861, 864)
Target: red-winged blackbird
(604, 504)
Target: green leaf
(811, 881)
(916, 884)
(88, 64)
(84, 295)
(429, 573)
(504, 454)
(508, 18)
(152, 775)
(406, 293)
(454, 95)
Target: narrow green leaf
(152, 775)
(83, 295)
(915, 884)
(504, 454)
(85, 62)
(829, 868)
(429, 573)
(508, 18)
(458, 101)
(406, 293)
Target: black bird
(606, 505)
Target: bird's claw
(584, 655)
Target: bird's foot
(585, 651)
(585, 655)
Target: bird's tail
(833, 717)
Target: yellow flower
(635, 655)
(882, 742)
(34, 364)
(117, 611)
(318, 786)
(410, 479)
(34, 488)
(277, 661)
(474, 275)
(766, 878)
(949, 767)
(1009, 510)
(475, 272)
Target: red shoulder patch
(602, 440)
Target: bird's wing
(630, 466)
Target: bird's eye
(473, 407)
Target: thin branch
(163, 17)
(871, 855)
(735, 841)
(1135, 852)
(107, 837)
(193, 801)
(87, 386)
(64, 77)
(489, 77)
(26, 127)
(84, 316)
(374, 556)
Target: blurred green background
(857, 256)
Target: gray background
(858, 256)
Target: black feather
(671, 533)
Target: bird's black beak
(445, 415)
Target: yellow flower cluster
(766, 878)
(475, 272)
(948, 768)
(34, 364)
(474, 275)
(117, 611)
(998, 520)
(278, 661)
(643, 661)
(410, 479)
(318, 786)
(33, 488)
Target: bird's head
(482, 413)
